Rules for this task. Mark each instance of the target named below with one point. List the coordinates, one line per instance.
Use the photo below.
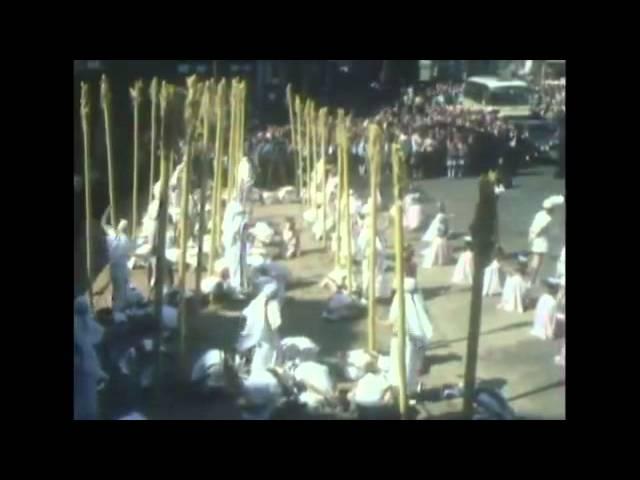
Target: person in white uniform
(493, 275)
(538, 234)
(120, 249)
(260, 333)
(234, 242)
(543, 318)
(463, 273)
(438, 253)
(516, 289)
(419, 332)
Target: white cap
(553, 201)
(522, 258)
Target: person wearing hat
(260, 334)
(120, 249)
(438, 253)
(545, 310)
(516, 289)
(463, 273)
(419, 332)
(538, 234)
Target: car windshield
(510, 96)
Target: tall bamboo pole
(339, 219)
(307, 156)
(322, 118)
(216, 212)
(298, 108)
(190, 119)
(293, 133)
(374, 177)
(345, 165)
(314, 151)
(136, 98)
(153, 93)
(85, 115)
(232, 137)
(399, 247)
(105, 96)
(165, 97)
(205, 112)
(243, 111)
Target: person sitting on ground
(543, 320)
(492, 282)
(291, 239)
(463, 273)
(342, 306)
(438, 253)
(516, 289)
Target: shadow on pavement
(447, 343)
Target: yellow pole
(299, 133)
(205, 112)
(232, 136)
(345, 166)
(293, 132)
(166, 95)
(374, 172)
(340, 187)
(399, 247)
(153, 93)
(136, 97)
(322, 118)
(307, 129)
(217, 176)
(105, 95)
(190, 112)
(85, 114)
(314, 151)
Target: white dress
(263, 320)
(463, 273)
(419, 332)
(492, 282)
(538, 232)
(543, 317)
(515, 289)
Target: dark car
(540, 140)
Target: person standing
(119, 248)
(538, 234)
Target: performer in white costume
(463, 273)
(538, 234)
(234, 242)
(516, 289)
(560, 267)
(383, 280)
(120, 249)
(493, 275)
(261, 330)
(246, 179)
(290, 239)
(419, 333)
(543, 318)
(438, 253)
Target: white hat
(468, 239)
(522, 259)
(553, 201)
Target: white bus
(510, 98)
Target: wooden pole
(314, 158)
(232, 137)
(293, 132)
(322, 117)
(190, 118)
(374, 172)
(216, 209)
(165, 97)
(339, 219)
(136, 98)
(105, 95)
(399, 248)
(85, 115)
(153, 93)
(307, 156)
(298, 107)
(483, 233)
(205, 110)
(346, 168)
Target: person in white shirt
(543, 319)
(120, 249)
(538, 234)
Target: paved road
(508, 355)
